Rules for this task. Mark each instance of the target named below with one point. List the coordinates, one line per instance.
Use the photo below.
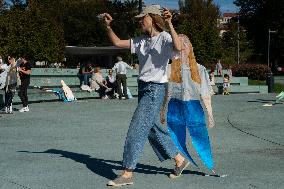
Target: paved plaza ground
(79, 146)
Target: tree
(198, 20)
(28, 31)
(229, 44)
(80, 22)
(260, 16)
(125, 25)
(78, 19)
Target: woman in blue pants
(154, 49)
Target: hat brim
(140, 15)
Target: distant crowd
(14, 72)
(114, 85)
(226, 77)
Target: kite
(189, 84)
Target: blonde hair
(158, 22)
(193, 66)
(176, 63)
(97, 69)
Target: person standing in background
(3, 73)
(230, 72)
(226, 84)
(121, 70)
(219, 68)
(25, 71)
(99, 84)
(11, 84)
(87, 72)
(212, 78)
(111, 83)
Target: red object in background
(280, 69)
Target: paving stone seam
(13, 182)
(246, 132)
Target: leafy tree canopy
(260, 16)
(198, 20)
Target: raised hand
(167, 15)
(107, 19)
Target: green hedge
(252, 71)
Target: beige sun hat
(153, 9)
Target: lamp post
(270, 78)
(268, 48)
(238, 39)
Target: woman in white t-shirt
(154, 49)
(10, 83)
(98, 83)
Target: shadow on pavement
(264, 101)
(105, 168)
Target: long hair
(97, 69)
(158, 22)
(189, 55)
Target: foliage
(198, 20)
(278, 87)
(230, 47)
(125, 25)
(77, 18)
(256, 82)
(252, 71)
(260, 16)
(29, 32)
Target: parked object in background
(67, 91)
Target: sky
(225, 5)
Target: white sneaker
(116, 95)
(10, 109)
(24, 109)
(6, 110)
(108, 89)
(105, 97)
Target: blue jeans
(146, 124)
(87, 79)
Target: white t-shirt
(11, 75)
(3, 75)
(153, 54)
(97, 79)
(121, 67)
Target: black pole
(270, 82)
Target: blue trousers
(87, 78)
(190, 115)
(146, 124)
